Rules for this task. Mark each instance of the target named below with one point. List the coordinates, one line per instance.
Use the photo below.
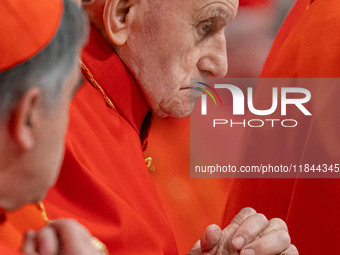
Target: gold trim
(42, 210)
(95, 84)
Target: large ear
(118, 17)
(24, 117)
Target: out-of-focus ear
(24, 118)
(118, 17)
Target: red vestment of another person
(104, 182)
(307, 46)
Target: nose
(214, 61)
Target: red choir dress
(105, 183)
(14, 225)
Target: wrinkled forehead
(231, 5)
(187, 6)
(226, 9)
(189, 11)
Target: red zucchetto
(26, 28)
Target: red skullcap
(26, 28)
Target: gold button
(150, 165)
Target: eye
(205, 28)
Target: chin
(175, 110)
(14, 207)
(181, 112)
(39, 196)
(177, 107)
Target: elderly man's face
(173, 41)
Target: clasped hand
(60, 237)
(249, 233)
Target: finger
(66, 225)
(274, 224)
(73, 237)
(272, 243)
(46, 240)
(292, 250)
(242, 215)
(28, 246)
(210, 238)
(250, 228)
(196, 249)
(67, 228)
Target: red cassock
(191, 204)
(6, 250)
(14, 225)
(307, 46)
(104, 182)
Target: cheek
(60, 128)
(62, 120)
(61, 137)
(56, 160)
(158, 86)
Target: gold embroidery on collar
(95, 84)
(42, 210)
